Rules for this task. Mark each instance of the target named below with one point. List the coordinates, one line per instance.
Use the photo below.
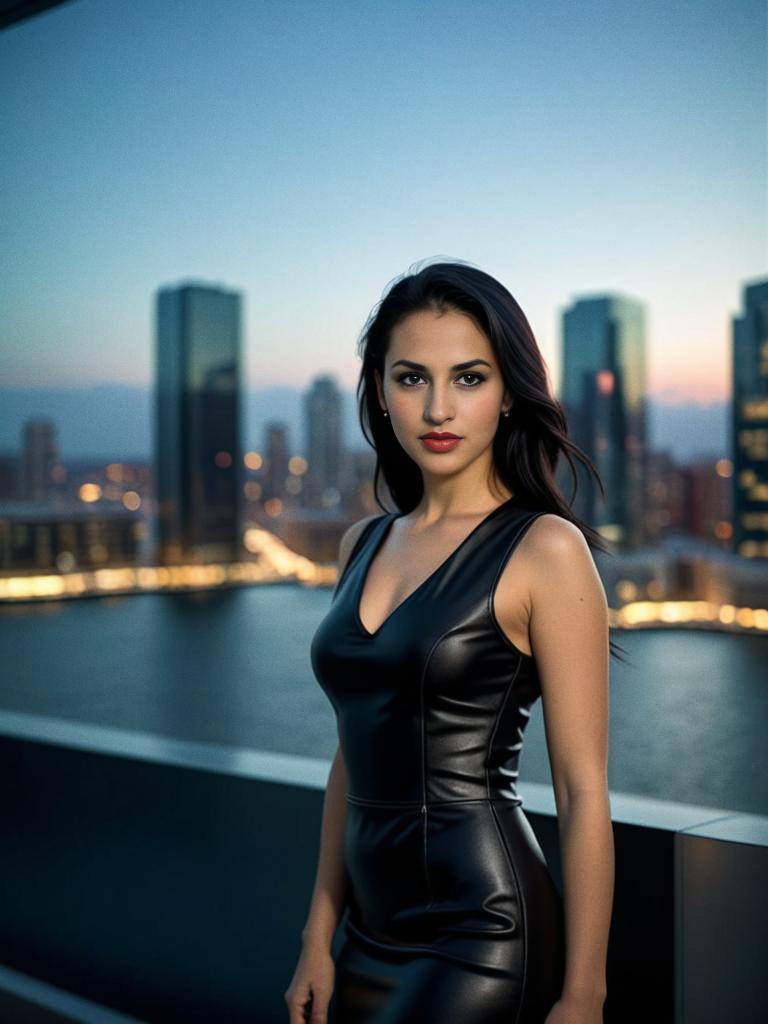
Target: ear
(379, 389)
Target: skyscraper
(277, 454)
(323, 443)
(603, 392)
(750, 423)
(38, 458)
(198, 454)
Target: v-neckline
(358, 595)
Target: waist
(495, 797)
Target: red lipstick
(438, 441)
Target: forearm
(587, 854)
(328, 895)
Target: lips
(439, 442)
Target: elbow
(581, 793)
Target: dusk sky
(308, 153)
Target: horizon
(120, 416)
(668, 396)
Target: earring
(384, 412)
(506, 412)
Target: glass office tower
(749, 426)
(198, 456)
(38, 457)
(323, 444)
(604, 394)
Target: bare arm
(327, 903)
(328, 897)
(569, 637)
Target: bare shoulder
(549, 540)
(551, 557)
(350, 537)
(554, 537)
(556, 548)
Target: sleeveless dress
(453, 915)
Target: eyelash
(470, 373)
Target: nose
(437, 407)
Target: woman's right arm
(312, 982)
(327, 904)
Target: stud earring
(384, 412)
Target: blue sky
(307, 153)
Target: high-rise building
(198, 455)
(750, 423)
(9, 476)
(276, 461)
(323, 444)
(38, 458)
(604, 395)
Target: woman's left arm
(569, 637)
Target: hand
(311, 987)
(576, 1010)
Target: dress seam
(510, 861)
(431, 803)
(424, 808)
(499, 714)
(523, 914)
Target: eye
(479, 378)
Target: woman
(435, 647)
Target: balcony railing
(163, 880)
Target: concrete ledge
(25, 1000)
(170, 879)
(312, 772)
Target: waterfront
(688, 712)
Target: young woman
(436, 644)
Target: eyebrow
(458, 366)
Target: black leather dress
(453, 915)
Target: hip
(466, 878)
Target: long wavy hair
(528, 443)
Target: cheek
(483, 410)
(405, 404)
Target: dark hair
(528, 442)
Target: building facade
(197, 424)
(604, 395)
(749, 424)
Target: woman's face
(441, 374)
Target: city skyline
(311, 168)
